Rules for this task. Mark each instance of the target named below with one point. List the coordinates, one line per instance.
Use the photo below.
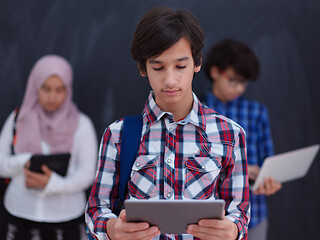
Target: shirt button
(169, 160)
(169, 194)
(171, 129)
(203, 167)
(137, 164)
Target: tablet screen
(173, 216)
(56, 162)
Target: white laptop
(287, 166)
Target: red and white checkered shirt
(200, 157)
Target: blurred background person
(229, 65)
(47, 205)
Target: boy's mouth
(171, 92)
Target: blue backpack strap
(130, 142)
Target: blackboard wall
(95, 36)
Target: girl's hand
(37, 180)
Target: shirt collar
(152, 113)
(212, 100)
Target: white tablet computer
(287, 166)
(173, 216)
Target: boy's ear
(142, 72)
(214, 72)
(198, 68)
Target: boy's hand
(253, 171)
(269, 187)
(223, 229)
(118, 228)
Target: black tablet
(173, 216)
(56, 162)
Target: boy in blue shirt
(230, 64)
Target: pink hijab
(34, 124)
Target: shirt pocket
(143, 180)
(201, 176)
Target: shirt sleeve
(265, 143)
(10, 165)
(105, 188)
(235, 187)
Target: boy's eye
(181, 67)
(158, 68)
(235, 81)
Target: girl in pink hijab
(35, 122)
(47, 205)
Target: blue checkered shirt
(253, 117)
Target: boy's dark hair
(162, 27)
(233, 54)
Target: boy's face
(170, 75)
(228, 85)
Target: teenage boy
(229, 65)
(187, 151)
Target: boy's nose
(240, 87)
(170, 78)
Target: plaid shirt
(253, 117)
(200, 157)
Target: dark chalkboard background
(95, 36)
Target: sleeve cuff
(25, 157)
(53, 184)
(241, 231)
